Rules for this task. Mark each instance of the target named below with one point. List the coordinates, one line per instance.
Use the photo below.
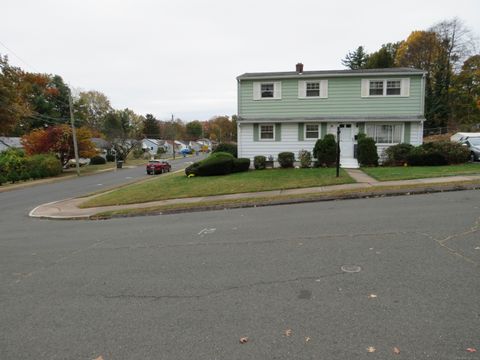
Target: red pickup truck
(158, 167)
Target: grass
(390, 173)
(179, 186)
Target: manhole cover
(351, 268)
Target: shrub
(43, 165)
(110, 157)
(97, 160)
(305, 158)
(219, 163)
(242, 164)
(398, 154)
(286, 159)
(137, 152)
(454, 153)
(161, 150)
(420, 156)
(226, 147)
(367, 151)
(13, 164)
(259, 162)
(325, 151)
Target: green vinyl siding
(278, 132)
(255, 132)
(323, 130)
(344, 99)
(406, 133)
(301, 127)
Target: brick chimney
(299, 68)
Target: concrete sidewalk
(68, 209)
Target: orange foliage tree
(59, 140)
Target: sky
(182, 57)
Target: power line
(18, 57)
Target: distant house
(102, 146)
(10, 143)
(152, 145)
(290, 111)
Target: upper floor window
(385, 87)
(267, 90)
(267, 132)
(311, 131)
(313, 89)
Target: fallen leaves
(372, 296)
(288, 332)
(396, 350)
(243, 340)
(471, 350)
(371, 349)
(307, 339)
(99, 358)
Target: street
(189, 286)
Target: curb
(299, 200)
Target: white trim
(322, 89)
(402, 135)
(330, 75)
(257, 90)
(305, 138)
(404, 88)
(260, 131)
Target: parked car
(473, 144)
(158, 167)
(186, 151)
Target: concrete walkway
(68, 209)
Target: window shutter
(406, 133)
(255, 132)
(323, 130)
(278, 132)
(365, 87)
(324, 89)
(256, 91)
(302, 89)
(405, 87)
(277, 90)
(300, 131)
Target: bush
(137, 152)
(97, 160)
(397, 155)
(13, 165)
(228, 148)
(219, 163)
(43, 165)
(325, 151)
(242, 164)
(420, 156)
(454, 153)
(367, 154)
(305, 158)
(286, 159)
(259, 162)
(110, 157)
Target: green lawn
(179, 186)
(389, 173)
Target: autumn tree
(59, 141)
(382, 58)
(194, 130)
(91, 107)
(355, 59)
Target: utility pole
(173, 136)
(74, 135)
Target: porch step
(349, 163)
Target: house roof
(330, 73)
(101, 143)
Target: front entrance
(346, 140)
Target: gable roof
(331, 73)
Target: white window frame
(322, 88)
(374, 136)
(305, 131)
(306, 89)
(260, 132)
(384, 90)
(272, 84)
(257, 90)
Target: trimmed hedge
(397, 155)
(419, 156)
(228, 148)
(259, 162)
(325, 151)
(286, 159)
(219, 163)
(97, 160)
(454, 153)
(367, 151)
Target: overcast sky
(182, 56)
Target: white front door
(346, 140)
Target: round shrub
(226, 147)
(219, 163)
(110, 157)
(286, 159)
(242, 164)
(420, 156)
(97, 160)
(454, 153)
(367, 151)
(51, 165)
(397, 155)
(325, 151)
(259, 162)
(305, 159)
(14, 165)
(43, 165)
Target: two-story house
(290, 111)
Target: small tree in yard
(367, 151)
(305, 158)
(325, 151)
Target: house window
(313, 89)
(376, 88)
(311, 131)
(267, 132)
(393, 87)
(267, 90)
(385, 133)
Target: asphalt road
(189, 286)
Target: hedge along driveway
(176, 186)
(390, 173)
